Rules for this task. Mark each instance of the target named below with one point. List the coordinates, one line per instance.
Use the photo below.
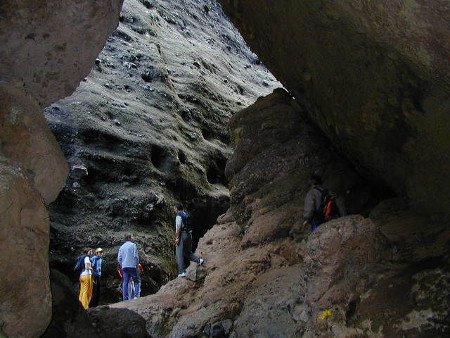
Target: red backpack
(328, 208)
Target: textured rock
(266, 276)
(26, 139)
(375, 77)
(25, 300)
(48, 46)
(69, 318)
(148, 127)
(276, 152)
(117, 323)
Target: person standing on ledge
(128, 259)
(183, 240)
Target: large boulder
(26, 139)
(375, 77)
(25, 303)
(48, 46)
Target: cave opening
(204, 216)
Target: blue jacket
(96, 265)
(128, 256)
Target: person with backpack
(84, 267)
(183, 240)
(128, 259)
(96, 261)
(320, 204)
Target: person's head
(178, 207)
(99, 251)
(315, 180)
(86, 251)
(128, 237)
(90, 252)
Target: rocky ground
(266, 275)
(147, 127)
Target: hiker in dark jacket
(313, 203)
(183, 241)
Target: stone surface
(69, 318)
(147, 127)
(48, 46)
(267, 276)
(25, 300)
(118, 323)
(375, 78)
(26, 139)
(273, 161)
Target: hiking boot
(183, 274)
(201, 261)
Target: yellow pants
(86, 286)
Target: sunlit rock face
(375, 78)
(148, 127)
(47, 48)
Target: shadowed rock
(269, 276)
(375, 78)
(47, 48)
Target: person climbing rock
(128, 259)
(183, 240)
(320, 204)
(86, 278)
(96, 261)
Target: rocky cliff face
(266, 275)
(372, 77)
(147, 127)
(375, 78)
(47, 48)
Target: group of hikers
(320, 206)
(89, 264)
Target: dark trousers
(95, 292)
(184, 251)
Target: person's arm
(120, 256)
(178, 222)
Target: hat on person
(99, 250)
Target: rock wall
(43, 59)
(148, 126)
(48, 46)
(267, 275)
(375, 78)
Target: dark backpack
(79, 264)
(328, 208)
(186, 221)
